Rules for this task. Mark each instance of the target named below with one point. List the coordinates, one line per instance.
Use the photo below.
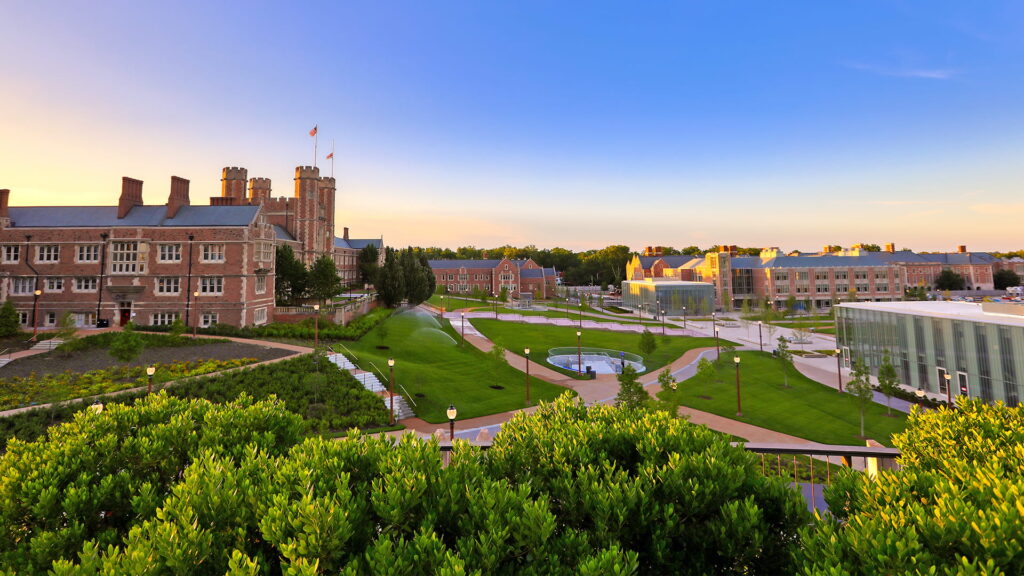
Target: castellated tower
(259, 190)
(314, 212)
(232, 185)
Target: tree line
(295, 282)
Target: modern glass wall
(698, 298)
(984, 360)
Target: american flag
(312, 132)
(331, 155)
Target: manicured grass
(459, 303)
(541, 338)
(829, 330)
(575, 316)
(806, 409)
(429, 361)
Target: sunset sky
(573, 124)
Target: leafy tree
(1003, 279)
(503, 295)
(369, 258)
(324, 282)
(785, 356)
(648, 344)
(791, 304)
(707, 370)
(871, 247)
(391, 282)
(9, 325)
(860, 388)
(127, 345)
(497, 353)
(949, 280)
(417, 289)
(915, 293)
(888, 381)
(632, 395)
(948, 510)
(382, 332)
(290, 276)
(809, 306)
(429, 280)
(177, 327)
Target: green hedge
(337, 404)
(304, 330)
(105, 339)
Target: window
(169, 253)
(209, 318)
(85, 284)
(168, 285)
(23, 318)
(782, 276)
(51, 319)
(261, 284)
(860, 275)
(54, 285)
(213, 253)
(264, 251)
(23, 285)
(802, 276)
(47, 253)
(89, 253)
(821, 288)
(125, 258)
(12, 253)
(841, 275)
(260, 316)
(164, 318)
(782, 288)
(821, 275)
(211, 285)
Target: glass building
(979, 346)
(672, 296)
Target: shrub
(9, 325)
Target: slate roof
(282, 234)
(358, 244)
(464, 263)
(138, 216)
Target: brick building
(821, 279)
(153, 264)
(490, 276)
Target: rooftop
(139, 216)
(1010, 314)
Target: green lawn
(806, 409)
(429, 361)
(459, 303)
(540, 338)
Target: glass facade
(983, 359)
(697, 297)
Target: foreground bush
(304, 330)
(954, 508)
(570, 491)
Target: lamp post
(839, 368)
(760, 343)
(463, 343)
(35, 310)
(579, 352)
(99, 289)
(662, 322)
(739, 408)
(718, 349)
(391, 387)
(452, 413)
(527, 351)
(442, 305)
(149, 372)
(684, 317)
(316, 326)
(188, 280)
(622, 361)
(949, 387)
(581, 314)
(195, 323)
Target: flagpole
(332, 157)
(316, 136)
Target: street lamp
(463, 343)
(579, 352)
(839, 368)
(316, 326)
(662, 322)
(35, 311)
(452, 413)
(149, 372)
(442, 304)
(195, 322)
(527, 351)
(581, 314)
(718, 349)
(391, 387)
(760, 343)
(739, 410)
(949, 388)
(684, 317)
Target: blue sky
(794, 124)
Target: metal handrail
(407, 395)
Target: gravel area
(85, 360)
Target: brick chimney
(232, 184)
(5, 199)
(178, 197)
(961, 249)
(890, 247)
(345, 232)
(131, 196)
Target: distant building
(818, 280)
(152, 264)
(491, 275)
(675, 298)
(980, 346)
